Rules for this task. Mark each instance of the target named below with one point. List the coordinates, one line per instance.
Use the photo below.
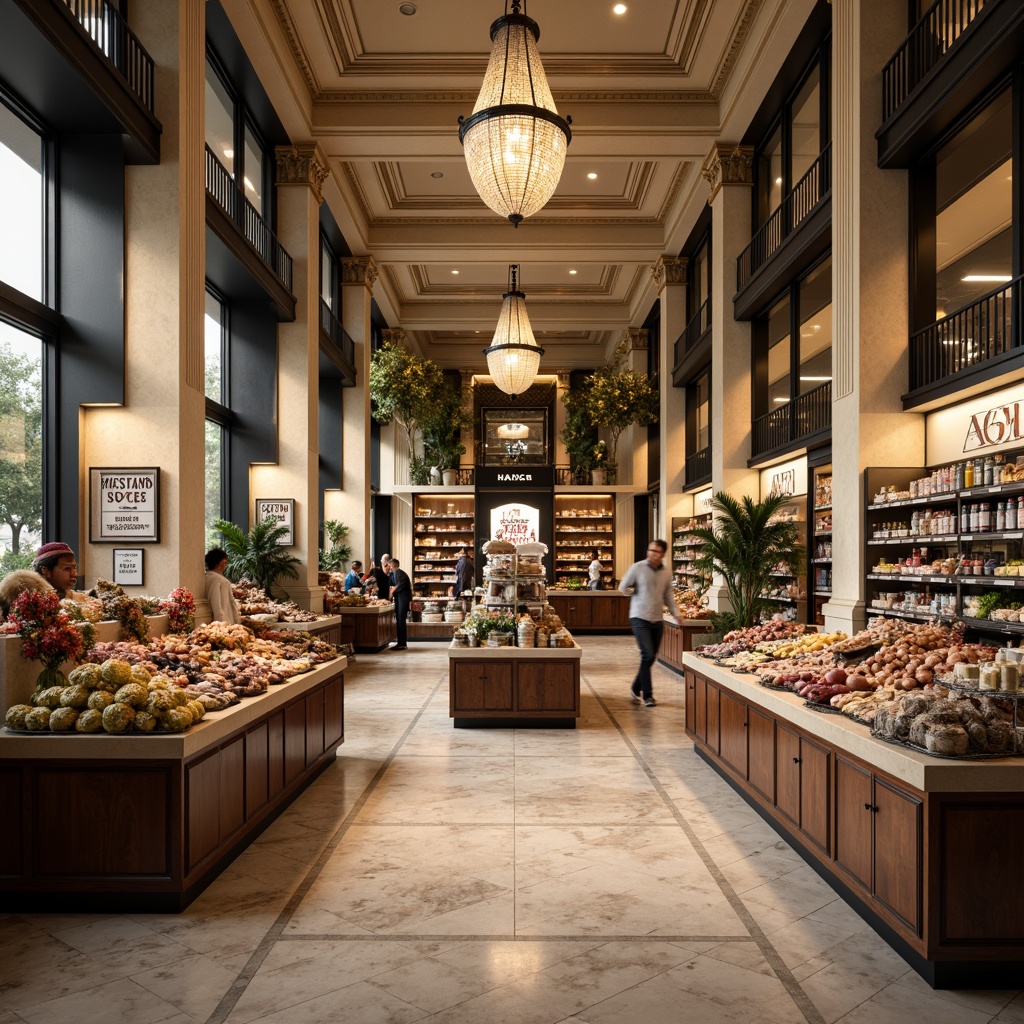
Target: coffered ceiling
(648, 92)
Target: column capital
(669, 270)
(359, 270)
(728, 164)
(393, 336)
(305, 164)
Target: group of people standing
(389, 580)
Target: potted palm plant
(257, 555)
(744, 544)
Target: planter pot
(450, 477)
(599, 477)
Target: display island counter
(926, 849)
(510, 686)
(591, 611)
(145, 822)
(327, 628)
(368, 629)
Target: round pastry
(499, 547)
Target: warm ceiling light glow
(778, 181)
(513, 431)
(592, 176)
(620, 8)
(815, 378)
(514, 140)
(514, 355)
(454, 271)
(572, 271)
(998, 278)
(436, 174)
(229, 153)
(780, 399)
(248, 184)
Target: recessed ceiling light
(778, 181)
(620, 8)
(229, 153)
(572, 271)
(999, 278)
(592, 175)
(437, 174)
(407, 9)
(454, 271)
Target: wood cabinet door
(547, 686)
(714, 715)
(481, 686)
(815, 792)
(294, 740)
(314, 726)
(898, 824)
(579, 612)
(853, 820)
(733, 741)
(761, 753)
(787, 773)
(700, 720)
(334, 713)
(256, 769)
(606, 611)
(690, 691)
(560, 603)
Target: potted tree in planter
(744, 544)
(600, 464)
(442, 426)
(578, 435)
(617, 401)
(404, 388)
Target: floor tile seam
(644, 937)
(255, 961)
(521, 824)
(771, 955)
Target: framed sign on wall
(283, 511)
(124, 505)
(128, 564)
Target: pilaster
(670, 276)
(869, 296)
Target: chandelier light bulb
(514, 355)
(515, 140)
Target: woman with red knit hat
(56, 563)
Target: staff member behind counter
(55, 562)
(218, 588)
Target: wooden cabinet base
(112, 834)
(372, 628)
(932, 867)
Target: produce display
(894, 680)
(253, 600)
(747, 639)
(113, 697)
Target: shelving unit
(819, 553)
(442, 523)
(790, 589)
(584, 522)
(937, 535)
(686, 549)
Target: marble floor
(598, 876)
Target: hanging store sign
(515, 476)
(784, 479)
(702, 502)
(282, 511)
(989, 423)
(516, 523)
(124, 504)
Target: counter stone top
(483, 653)
(918, 769)
(323, 621)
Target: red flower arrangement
(47, 635)
(180, 609)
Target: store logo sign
(1000, 425)
(515, 478)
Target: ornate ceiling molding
(740, 34)
(287, 25)
(347, 97)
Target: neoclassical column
(162, 422)
(300, 174)
(358, 274)
(632, 451)
(560, 456)
(670, 277)
(870, 319)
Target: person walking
(649, 584)
(594, 570)
(401, 593)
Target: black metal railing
(698, 467)
(331, 326)
(106, 27)
(808, 414)
(939, 28)
(566, 477)
(699, 324)
(678, 349)
(229, 197)
(798, 204)
(987, 328)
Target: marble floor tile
(115, 1002)
(360, 1003)
(1013, 1012)
(897, 1003)
(801, 892)
(195, 984)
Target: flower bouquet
(47, 635)
(180, 609)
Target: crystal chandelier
(514, 356)
(514, 140)
(513, 431)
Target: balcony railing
(795, 207)
(331, 326)
(699, 324)
(939, 28)
(229, 197)
(967, 338)
(806, 415)
(698, 467)
(107, 29)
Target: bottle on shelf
(968, 474)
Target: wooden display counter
(326, 628)
(677, 639)
(591, 611)
(146, 822)
(504, 686)
(368, 629)
(926, 849)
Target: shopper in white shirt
(218, 588)
(594, 571)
